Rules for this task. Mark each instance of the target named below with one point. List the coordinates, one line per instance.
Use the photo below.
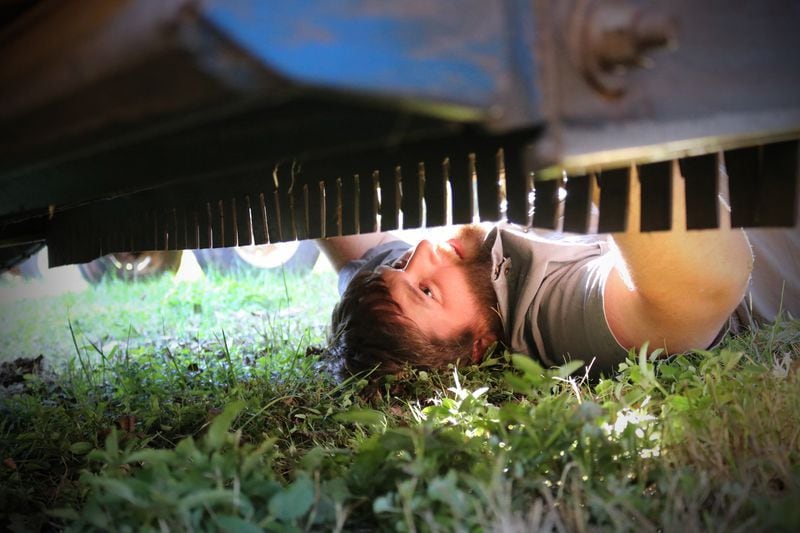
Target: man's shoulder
(513, 239)
(382, 254)
(385, 250)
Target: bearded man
(594, 299)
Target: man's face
(445, 287)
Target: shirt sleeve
(571, 317)
(383, 254)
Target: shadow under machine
(155, 125)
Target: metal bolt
(615, 36)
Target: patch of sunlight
(641, 423)
(322, 265)
(190, 269)
(52, 282)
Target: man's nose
(423, 258)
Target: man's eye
(402, 261)
(427, 292)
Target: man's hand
(675, 289)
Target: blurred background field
(187, 306)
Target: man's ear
(479, 347)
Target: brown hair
(369, 331)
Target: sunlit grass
(170, 312)
(198, 405)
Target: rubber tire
(29, 269)
(228, 260)
(106, 268)
(21, 260)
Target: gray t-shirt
(550, 296)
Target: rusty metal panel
(701, 175)
(412, 192)
(271, 208)
(435, 193)
(656, 80)
(577, 204)
(614, 186)
(656, 196)
(763, 183)
(367, 202)
(346, 205)
(487, 173)
(227, 219)
(389, 199)
(313, 210)
(778, 182)
(545, 203)
(182, 230)
(204, 224)
(258, 215)
(518, 186)
(242, 223)
(461, 185)
(742, 166)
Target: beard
(470, 239)
(477, 265)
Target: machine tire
(298, 257)
(21, 260)
(131, 266)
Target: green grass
(199, 406)
(258, 310)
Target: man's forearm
(683, 283)
(712, 265)
(341, 250)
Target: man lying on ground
(446, 302)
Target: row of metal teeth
(484, 186)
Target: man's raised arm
(341, 250)
(675, 289)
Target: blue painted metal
(457, 51)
